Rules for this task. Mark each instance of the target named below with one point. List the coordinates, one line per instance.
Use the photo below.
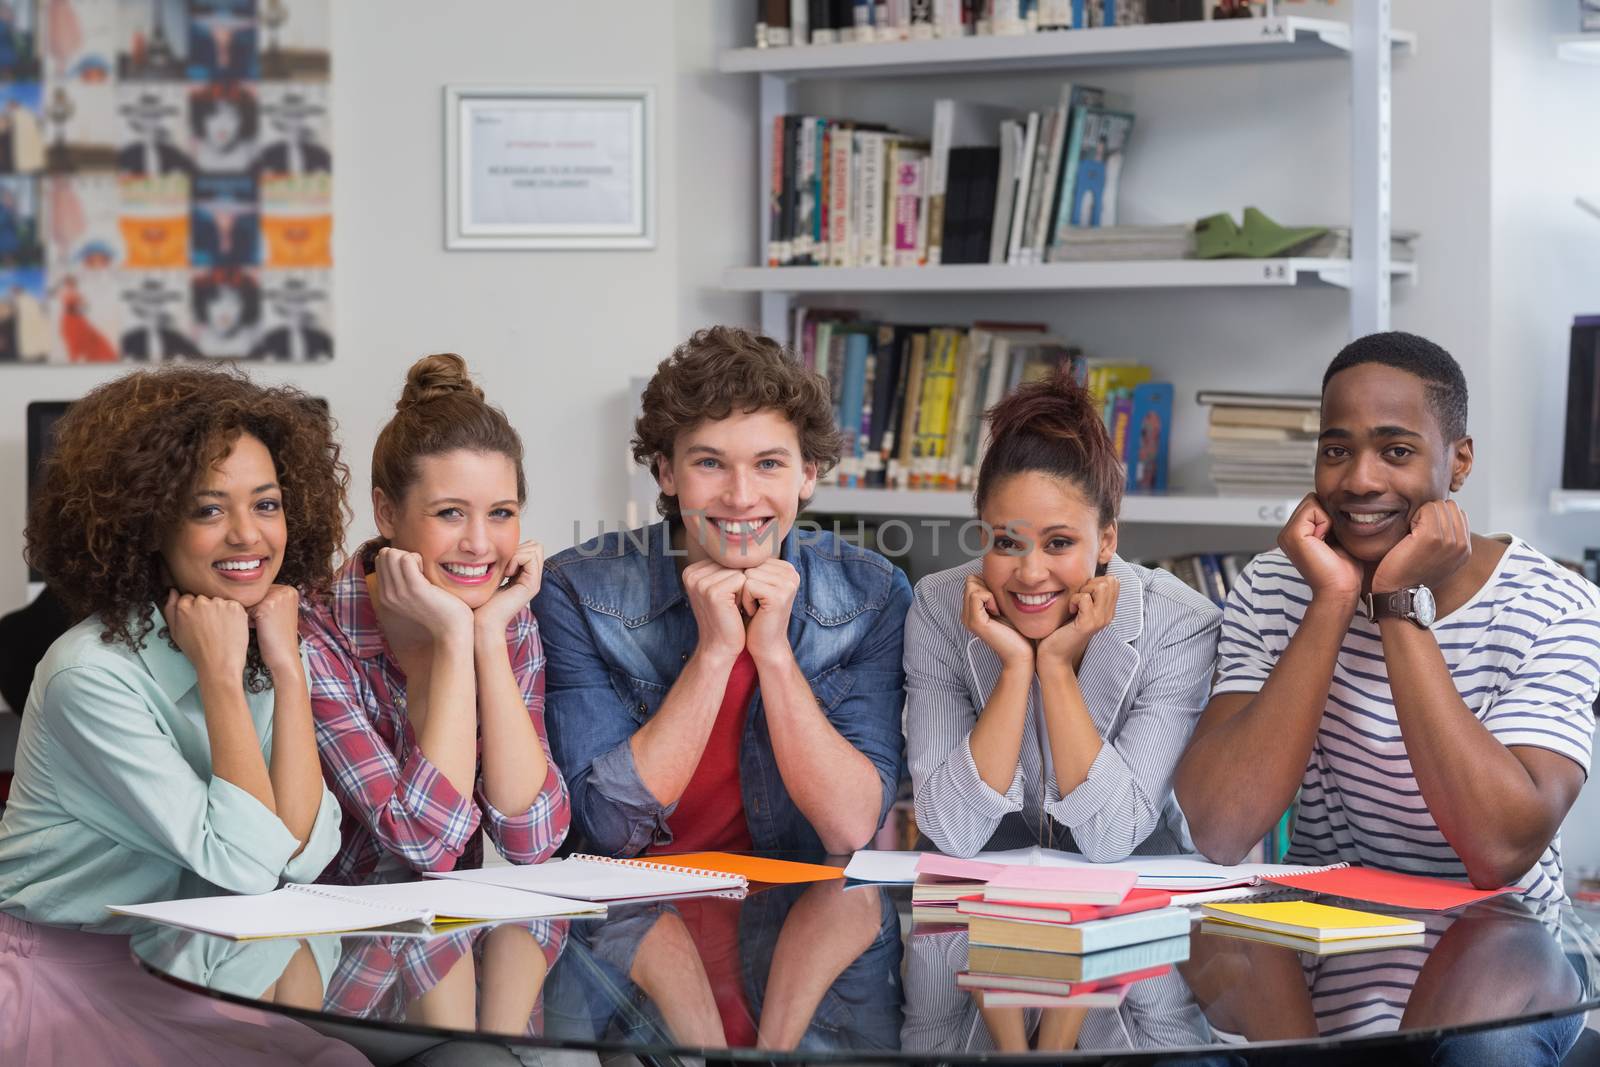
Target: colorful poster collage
(166, 180)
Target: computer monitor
(42, 418)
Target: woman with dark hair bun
(427, 673)
(1051, 685)
(168, 750)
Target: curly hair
(120, 475)
(1053, 427)
(722, 369)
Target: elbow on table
(1221, 847)
(845, 840)
(1496, 871)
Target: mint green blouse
(114, 801)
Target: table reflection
(812, 967)
(481, 979)
(72, 997)
(1496, 960)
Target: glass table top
(833, 971)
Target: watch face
(1422, 605)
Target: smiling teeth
(467, 572)
(1368, 520)
(741, 527)
(1036, 600)
(239, 565)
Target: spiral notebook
(305, 910)
(582, 877)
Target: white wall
(553, 337)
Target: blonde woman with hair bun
(427, 671)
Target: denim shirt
(618, 628)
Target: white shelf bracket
(777, 98)
(1371, 66)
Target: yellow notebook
(1318, 922)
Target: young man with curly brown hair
(168, 747)
(720, 680)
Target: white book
(307, 910)
(947, 18)
(800, 21)
(1005, 190)
(1007, 18)
(583, 877)
(1044, 223)
(870, 198)
(1019, 209)
(1036, 176)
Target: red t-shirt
(710, 814)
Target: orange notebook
(753, 868)
(1413, 892)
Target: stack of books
(1051, 936)
(1262, 443)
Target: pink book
(907, 205)
(1063, 885)
(938, 865)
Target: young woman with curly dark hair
(168, 747)
(427, 672)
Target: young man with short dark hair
(1426, 690)
(720, 680)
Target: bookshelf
(1364, 46)
(1173, 509)
(1171, 44)
(1572, 47)
(1050, 277)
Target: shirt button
(641, 708)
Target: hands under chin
(742, 610)
(1439, 544)
(1090, 610)
(525, 573)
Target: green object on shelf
(1219, 237)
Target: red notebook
(1066, 914)
(1411, 891)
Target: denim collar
(666, 587)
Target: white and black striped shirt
(1524, 652)
(1144, 678)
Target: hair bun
(434, 377)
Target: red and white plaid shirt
(378, 977)
(400, 812)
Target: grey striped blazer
(1145, 678)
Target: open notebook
(582, 877)
(304, 910)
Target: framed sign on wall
(549, 168)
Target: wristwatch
(1415, 605)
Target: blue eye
(769, 464)
(503, 513)
(707, 463)
(450, 513)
